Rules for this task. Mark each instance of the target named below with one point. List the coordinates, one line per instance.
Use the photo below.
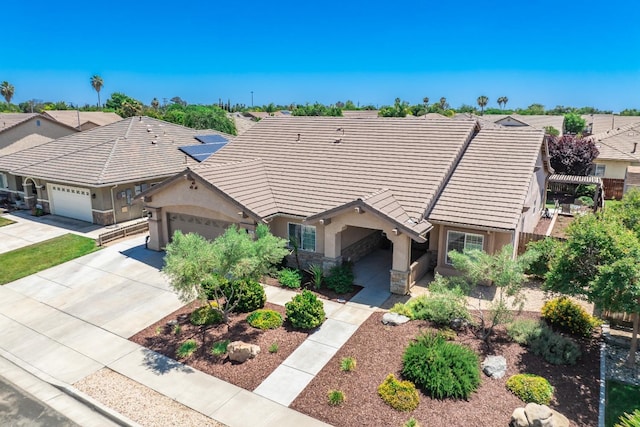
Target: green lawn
(40, 256)
(5, 221)
(621, 398)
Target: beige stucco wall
(46, 128)
(354, 234)
(279, 226)
(614, 169)
(493, 241)
(535, 198)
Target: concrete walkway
(69, 321)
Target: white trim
(302, 227)
(98, 210)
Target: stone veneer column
(156, 240)
(399, 282)
(328, 263)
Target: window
(458, 241)
(598, 170)
(304, 235)
(139, 188)
(3, 181)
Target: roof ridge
(126, 134)
(269, 186)
(108, 162)
(611, 146)
(613, 132)
(375, 193)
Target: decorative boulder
(239, 351)
(458, 324)
(394, 319)
(494, 366)
(534, 415)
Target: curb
(70, 391)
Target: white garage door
(208, 228)
(72, 202)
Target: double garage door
(206, 227)
(72, 202)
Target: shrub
(219, 348)
(411, 422)
(531, 388)
(555, 348)
(441, 305)
(336, 397)
(447, 333)
(569, 316)
(340, 278)
(523, 331)
(186, 349)
(442, 368)
(544, 249)
(403, 309)
(348, 364)
(177, 329)
(317, 275)
(629, 420)
(265, 319)
(585, 201)
(305, 311)
(212, 284)
(400, 395)
(290, 278)
(273, 348)
(247, 295)
(585, 190)
(205, 316)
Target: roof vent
(635, 146)
(154, 142)
(298, 140)
(337, 141)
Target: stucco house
(82, 120)
(343, 187)
(536, 121)
(94, 175)
(599, 123)
(619, 148)
(22, 130)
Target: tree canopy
(572, 155)
(573, 123)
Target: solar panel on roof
(208, 139)
(202, 151)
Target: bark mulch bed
(160, 338)
(323, 293)
(378, 351)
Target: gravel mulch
(160, 338)
(139, 403)
(378, 351)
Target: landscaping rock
(172, 322)
(458, 324)
(394, 319)
(239, 351)
(494, 366)
(534, 415)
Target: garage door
(72, 202)
(205, 227)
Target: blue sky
(550, 52)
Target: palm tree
(443, 102)
(155, 104)
(482, 102)
(505, 100)
(96, 84)
(500, 100)
(425, 100)
(7, 90)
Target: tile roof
(28, 141)
(539, 121)
(600, 123)
(396, 165)
(133, 149)
(71, 118)
(489, 186)
(622, 143)
(9, 120)
(360, 114)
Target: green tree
(444, 105)
(425, 101)
(96, 84)
(203, 117)
(155, 104)
(195, 266)
(599, 261)
(123, 105)
(7, 90)
(502, 270)
(533, 109)
(573, 123)
(550, 130)
(482, 102)
(399, 109)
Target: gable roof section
(11, 120)
(539, 121)
(72, 117)
(622, 143)
(600, 123)
(133, 149)
(489, 186)
(336, 161)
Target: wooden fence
(525, 238)
(623, 319)
(613, 188)
(119, 233)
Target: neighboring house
(619, 148)
(22, 130)
(82, 120)
(632, 178)
(259, 115)
(94, 175)
(242, 123)
(599, 123)
(360, 114)
(518, 120)
(342, 187)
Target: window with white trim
(460, 242)
(598, 170)
(3, 181)
(303, 235)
